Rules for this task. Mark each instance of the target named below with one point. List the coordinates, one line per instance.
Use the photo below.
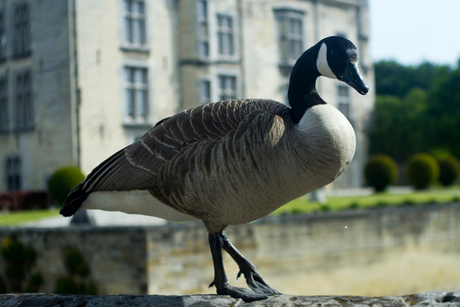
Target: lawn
(300, 205)
(16, 218)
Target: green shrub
(449, 170)
(422, 170)
(78, 281)
(19, 261)
(353, 205)
(409, 202)
(63, 181)
(75, 262)
(66, 285)
(380, 171)
(35, 281)
(381, 204)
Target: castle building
(81, 79)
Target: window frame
(132, 18)
(287, 38)
(203, 22)
(3, 39)
(226, 37)
(131, 98)
(344, 102)
(21, 31)
(4, 105)
(226, 93)
(24, 109)
(13, 175)
(205, 94)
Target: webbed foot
(220, 279)
(243, 293)
(253, 278)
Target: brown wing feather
(192, 164)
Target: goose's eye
(333, 53)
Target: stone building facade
(80, 79)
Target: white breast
(329, 138)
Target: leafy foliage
(20, 261)
(417, 109)
(380, 171)
(63, 181)
(399, 125)
(78, 281)
(75, 263)
(449, 170)
(444, 111)
(67, 285)
(422, 170)
(394, 79)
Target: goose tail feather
(73, 201)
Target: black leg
(253, 278)
(220, 279)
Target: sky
(413, 31)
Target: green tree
(400, 125)
(395, 79)
(444, 111)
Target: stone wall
(116, 255)
(392, 251)
(439, 299)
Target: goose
(235, 161)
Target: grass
(16, 218)
(302, 205)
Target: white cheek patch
(322, 65)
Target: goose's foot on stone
(254, 280)
(220, 279)
(242, 293)
(247, 269)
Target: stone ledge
(441, 299)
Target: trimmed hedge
(449, 168)
(422, 170)
(381, 171)
(63, 181)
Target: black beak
(353, 78)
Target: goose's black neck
(302, 92)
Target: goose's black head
(338, 59)
(333, 57)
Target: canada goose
(232, 162)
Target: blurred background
(81, 79)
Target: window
(135, 35)
(205, 91)
(24, 108)
(136, 85)
(290, 27)
(225, 35)
(284, 90)
(2, 38)
(3, 105)
(203, 29)
(13, 173)
(227, 87)
(344, 101)
(21, 30)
